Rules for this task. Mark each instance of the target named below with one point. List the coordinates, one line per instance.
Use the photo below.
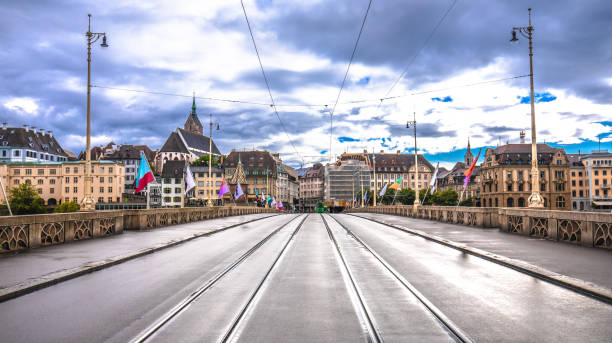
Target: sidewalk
(18, 270)
(588, 264)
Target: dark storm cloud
(423, 130)
(282, 80)
(498, 129)
(572, 40)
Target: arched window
(521, 202)
(490, 202)
(510, 202)
(560, 201)
(574, 205)
(52, 202)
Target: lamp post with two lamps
(210, 187)
(416, 163)
(535, 199)
(88, 203)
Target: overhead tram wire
(331, 116)
(267, 81)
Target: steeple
(468, 157)
(192, 124)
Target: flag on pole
(239, 192)
(145, 175)
(396, 185)
(434, 178)
(256, 195)
(269, 199)
(189, 182)
(384, 190)
(223, 189)
(365, 197)
(273, 201)
(468, 172)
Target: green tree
(370, 200)
(69, 206)
(202, 161)
(425, 194)
(469, 201)
(25, 200)
(447, 198)
(405, 196)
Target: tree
(387, 198)
(424, 194)
(25, 200)
(447, 198)
(405, 196)
(69, 206)
(202, 161)
(370, 200)
(469, 201)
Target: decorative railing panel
(82, 229)
(460, 218)
(602, 235)
(14, 237)
(539, 227)
(471, 219)
(52, 233)
(570, 230)
(515, 224)
(107, 226)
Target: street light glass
(514, 39)
(104, 45)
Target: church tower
(192, 124)
(468, 158)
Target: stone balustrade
(33, 231)
(591, 229)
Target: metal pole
(87, 200)
(416, 166)
(535, 199)
(210, 189)
(375, 180)
(363, 198)
(5, 198)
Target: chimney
(50, 133)
(382, 151)
(5, 125)
(398, 152)
(25, 128)
(365, 151)
(33, 129)
(522, 137)
(42, 131)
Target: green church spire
(193, 106)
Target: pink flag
(223, 189)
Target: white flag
(239, 192)
(384, 190)
(434, 178)
(189, 182)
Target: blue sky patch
(364, 81)
(539, 97)
(445, 99)
(347, 139)
(323, 152)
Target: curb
(53, 278)
(583, 287)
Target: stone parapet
(591, 229)
(33, 231)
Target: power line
(266, 79)
(331, 116)
(422, 47)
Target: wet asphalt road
(306, 296)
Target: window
(16, 153)
(597, 192)
(604, 172)
(52, 181)
(67, 190)
(29, 182)
(200, 183)
(75, 189)
(110, 179)
(110, 189)
(560, 201)
(574, 183)
(67, 169)
(574, 205)
(75, 179)
(41, 172)
(496, 202)
(177, 190)
(580, 183)
(101, 189)
(110, 199)
(102, 170)
(574, 174)
(100, 199)
(52, 171)
(574, 193)
(520, 174)
(76, 169)
(167, 190)
(596, 172)
(39, 191)
(543, 187)
(510, 188)
(177, 199)
(521, 202)
(510, 202)
(40, 182)
(16, 182)
(28, 172)
(520, 187)
(596, 182)
(581, 192)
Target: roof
(40, 163)
(252, 160)
(520, 153)
(130, 152)
(524, 148)
(399, 162)
(174, 144)
(173, 169)
(31, 139)
(199, 142)
(315, 172)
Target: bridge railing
(33, 231)
(591, 229)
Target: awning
(603, 203)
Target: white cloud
(22, 105)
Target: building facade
(206, 187)
(391, 167)
(312, 187)
(58, 182)
(345, 178)
(505, 176)
(28, 144)
(129, 156)
(454, 179)
(172, 184)
(259, 169)
(591, 181)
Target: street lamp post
(416, 163)
(375, 180)
(88, 201)
(535, 199)
(210, 182)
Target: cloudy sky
(178, 47)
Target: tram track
(150, 331)
(454, 330)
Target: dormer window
(5, 143)
(30, 139)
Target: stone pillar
(553, 232)
(95, 228)
(586, 234)
(34, 231)
(526, 225)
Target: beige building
(391, 167)
(591, 181)
(260, 172)
(58, 182)
(506, 176)
(312, 187)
